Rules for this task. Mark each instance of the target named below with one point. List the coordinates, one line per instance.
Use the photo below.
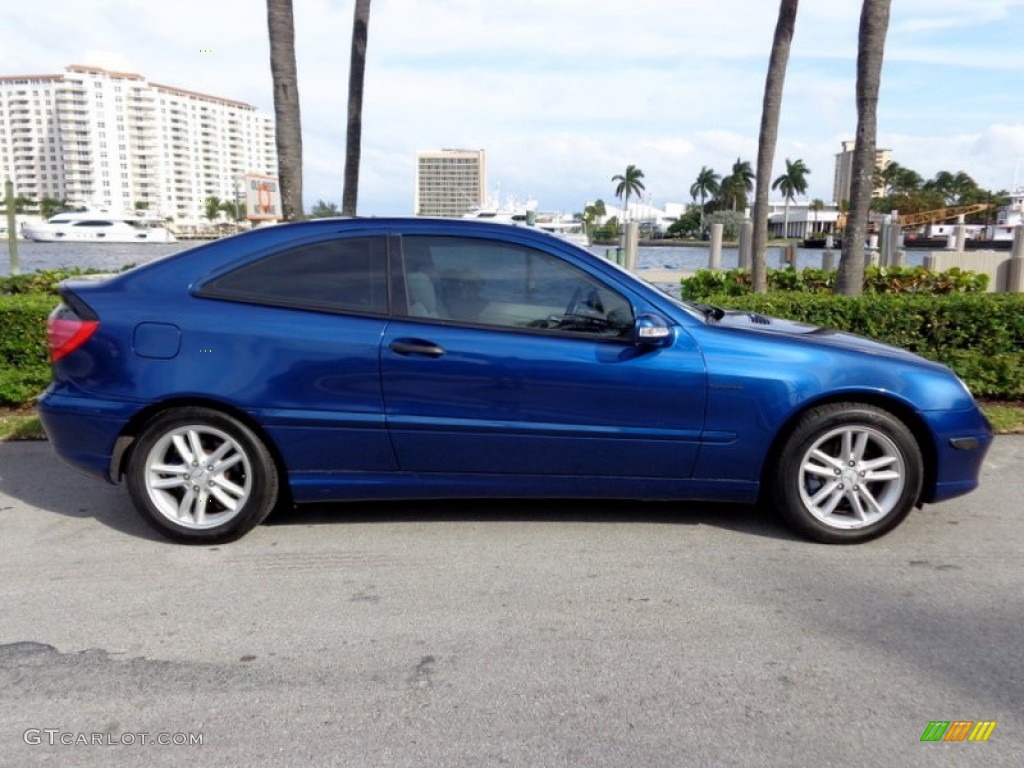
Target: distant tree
(22, 202)
(629, 184)
(731, 221)
(592, 213)
(141, 205)
(916, 201)
(50, 206)
(356, 76)
(288, 121)
(791, 183)
(230, 207)
(737, 185)
(874, 25)
(323, 210)
(212, 207)
(687, 225)
(707, 185)
(771, 109)
(817, 205)
(963, 186)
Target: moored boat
(100, 226)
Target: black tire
(847, 473)
(195, 502)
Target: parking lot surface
(540, 633)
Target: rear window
(343, 275)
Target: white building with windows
(449, 182)
(843, 178)
(113, 140)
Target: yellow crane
(940, 214)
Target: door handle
(415, 347)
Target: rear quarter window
(343, 275)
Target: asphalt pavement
(541, 633)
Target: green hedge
(24, 359)
(888, 280)
(43, 281)
(980, 336)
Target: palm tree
(874, 24)
(962, 185)
(817, 205)
(943, 184)
(769, 134)
(708, 184)
(792, 183)
(737, 185)
(629, 184)
(281, 29)
(356, 74)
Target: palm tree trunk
(874, 24)
(288, 130)
(768, 137)
(356, 74)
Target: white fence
(998, 265)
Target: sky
(564, 94)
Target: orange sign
(262, 198)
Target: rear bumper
(84, 430)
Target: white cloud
(564, 93)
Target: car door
(511, 360)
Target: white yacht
(527, 215)
(100, 227)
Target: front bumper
(962, 438)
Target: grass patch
(1006, 418)
(20, 424)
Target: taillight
(66, 331)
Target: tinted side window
(484, 282)
(342, 275)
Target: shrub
(888, 280)
(44, 281)
(24, 360)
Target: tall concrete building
(112, 140)
(844, 172)
(450, 181)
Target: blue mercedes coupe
(345, 359)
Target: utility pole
(12, 228)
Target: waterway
(114, 256)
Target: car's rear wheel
(199, 475)
(847, 473)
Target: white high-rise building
(113, 140)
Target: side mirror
(651, 331)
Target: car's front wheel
(198, 475)
(847, 473)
